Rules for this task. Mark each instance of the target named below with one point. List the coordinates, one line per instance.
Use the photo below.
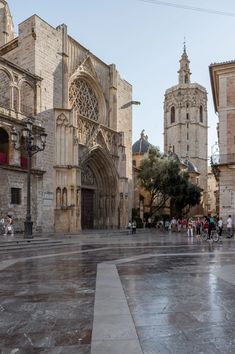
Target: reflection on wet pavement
(180, 295)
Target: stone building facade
(185, 123)
(222, 77)
(83, 179)
(141, 197)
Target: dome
(142, 145)
(191, 167)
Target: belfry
(185, 122)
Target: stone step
(29, 244)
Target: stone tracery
(83, 98)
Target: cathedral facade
(185, 123)
(83, 179)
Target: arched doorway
(99, 191)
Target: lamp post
(31, 144)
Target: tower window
(187, 136)
(201, 114)
(186, 79)
(187, 116)
(187, 147)
(172, 114)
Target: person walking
(134, 227)
(198, 226)
(211, 225)
(190, 228)
(220, 226)
(9, 226)
(229, 227)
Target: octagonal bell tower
(185, 121)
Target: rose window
(83, 98)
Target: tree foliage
(162, 178)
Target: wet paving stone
(175, 289)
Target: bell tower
(185, 121)
(6, 23)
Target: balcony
(221, 159)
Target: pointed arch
(62, 139)
(5, 93)
(27, 98)
(173, 114)
(104, 186)
(86, 95)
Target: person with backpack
(211, 225)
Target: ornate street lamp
(25, 142)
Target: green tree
(186, 195)
(158, 175)
(162, 178)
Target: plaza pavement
(108, 292)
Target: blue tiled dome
(142, 145)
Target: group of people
(194, 226)
(7, 225)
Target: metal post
(31, 149)
(28, 225)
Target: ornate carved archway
(99, 178)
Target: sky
(145, 41)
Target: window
(15, 196)
(187, 135)
(134, 163)
(187, 125)
(173, 114)
(83, 98)
(201, 114)
(187, 116)
(186, 79)
(187, 147)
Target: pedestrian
(190, 228)
(211, 225)
(129, 227)
(167, 225)
(9, 225)
(229, 227)
(179, 225)
(173, 224)
(133, 227)
(198, 226)
(220, 226)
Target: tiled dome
(142, 145)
